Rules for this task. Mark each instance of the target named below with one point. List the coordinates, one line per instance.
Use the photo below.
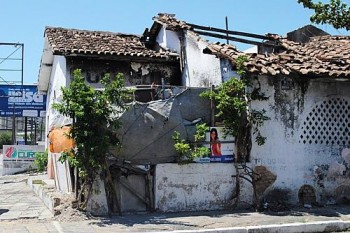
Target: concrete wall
(193, 187)
(308, 138)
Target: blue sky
(24, 21)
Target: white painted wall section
(193, 187)
(201, 70)
(58, 79)
(168, 40)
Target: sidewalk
(325, 219)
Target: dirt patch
(66, 211)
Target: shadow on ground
(2, 211)
(164, 218)
(326, 211)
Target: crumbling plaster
(323, 166)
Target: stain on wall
(289, 98)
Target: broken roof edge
(169, 22)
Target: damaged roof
(321, 56)
(65, 41)
(171, 22)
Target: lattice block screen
(328, 123)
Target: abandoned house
(306, 154)
(148, 127)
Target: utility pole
(226, 21)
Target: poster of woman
(215, 144)
(221, 146)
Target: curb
(44, 191)
(320, 226)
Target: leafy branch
(335, 13)
(188, 151)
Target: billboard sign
(21, 100)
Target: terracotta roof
(171, 22)
(73, 41)
(322, 56)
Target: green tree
(335, 13)
(95, 119)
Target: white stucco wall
(200, 70)
(58, 79)
(168, 39)
(322, 166)
(192, 187)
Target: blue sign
(19, 101)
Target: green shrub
(5, 139)
(40, 160)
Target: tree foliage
(95, 119)
(335, 13)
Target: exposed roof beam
(230, 32)
(234, 38)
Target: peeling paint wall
(193, 187)
(307, 137)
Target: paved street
(23, 212)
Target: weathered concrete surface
(195, 186)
